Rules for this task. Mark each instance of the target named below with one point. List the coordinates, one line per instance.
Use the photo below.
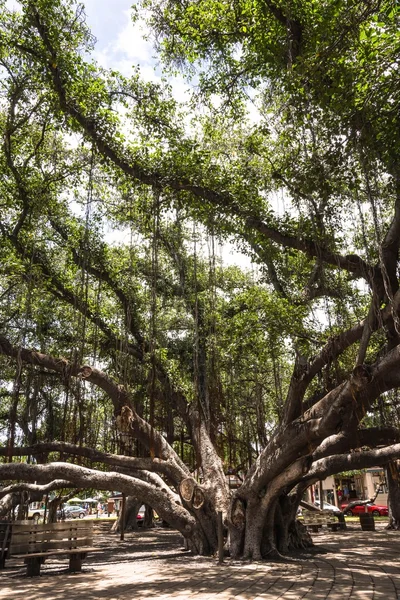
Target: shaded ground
(152, 564)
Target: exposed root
(273, 554)
(393, 525)
(298, 537)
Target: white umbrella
(75, 500)
(90, 500)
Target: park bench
(315, 520)
(36, 542)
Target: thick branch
(354, 439)
(165, 504)
(167, 468)
(334, 347)
(57, 484)
(348, 401)
(330, 465)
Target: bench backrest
(67, 535)
(322, 516)
(330, 516)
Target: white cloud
(13, 5)
(122, 46)
(131, 42)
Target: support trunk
(132, 506)
(6, 506)
(393, 480)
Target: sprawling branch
(136, 350)
(334, 347)
(348, 401)
(354, 439)
(165, 504)
(168, 468)
(330, 465)
(16, 488)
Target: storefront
(342, 489)
(376, 477)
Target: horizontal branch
(166, 467)
(133, 169)
(363, 459)
(361, 438)
(15, 488)
(164, 503)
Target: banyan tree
(134, 357)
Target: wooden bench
(35, 542)
(315, 520)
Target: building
(360, 486)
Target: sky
(121, 45)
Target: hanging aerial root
(299, 537)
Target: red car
(378, 510)
(140, 515)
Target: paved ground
(355, 565)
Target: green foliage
(112, 208)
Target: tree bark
(132, 505)
(393, 481)
(6, 506)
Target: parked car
(328, 506)
(71, 512)
(36, 514)
(140, 515)
(378, 510)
